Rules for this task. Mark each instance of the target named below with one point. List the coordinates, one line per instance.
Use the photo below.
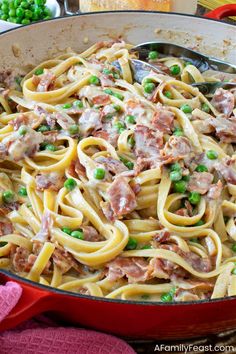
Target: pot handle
(222, 12)
(33, 301)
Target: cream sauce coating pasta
(117, 189)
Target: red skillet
(123, 318)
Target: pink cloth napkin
(41, 335)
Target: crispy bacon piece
(225, 128)
(215, 190)
(135, 269)
(148, 142)
(107, 211)
(135, 108)
(65, 261)
(52, 181)
(46, 82)
(223, 101)
(76, 169)
(175, 149)
(101, 100)
(91, 234)
(121, 197)
(186, 295)
(89, 122)
(44, 233)
(161, 237)
(6, 228)
(5, 209)
(228, 172)
(23, 261)
(112, 165)
(163, 120)
(3, 151)
(200, 182)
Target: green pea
(175, 70)
(167, 297)
(180, 186)
(28, 14)
(25, 21)
(38, 12)
(130, 119)
(67, 106)
(20, 12)
(127, 163)
(39, 2)
(131, 141)
(119, 125)
(12, 13)
(194, 239)
(5, 9)
(178, 132)
(78, 234)
(4, 17)
(99, 173)
(153, 55)
(118, 95)
(22, 192)
(186, 178)
(17, 3)
(50, 147)
(23, 130)
(67, 230)
(147, 80)
(175, 167)
(78, 104)
(117, 107)
(94, 80)
(206, 108)
(12, 5)
(107, 71)
(8, 196)
(186, 108)
(234, 247)
(24, 4)
(168, 94)
(234, 271)
(47, 12)
(175, 176)
(70, 184)
(132, 244)
(199, 223)
(146, 247)
(149, 87)
(201, 168)
(194, 198)
(43, 128)
(109, 92)
(74, 129)
(212, 154)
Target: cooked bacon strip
(225, 128)
(45, 231)
(215, 190)
(107, 80)
(22, 119)
(121, 197)
(223, 101)
(228, 172)
(76, 169)
(112, 165)
(107, 211)
(23, 261)
(161, 237)
(65, 261)
(5, 209)
(101, 100)
(186, 295)
(91, 234)
(148, 142)
(135, 108)
(200, 182)
(46, 82)
(52, 181)
(6, 228)
(135, 269)
(89, 122)
(163, 120)
(3, 151)
(175, 149)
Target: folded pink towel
(42, 335)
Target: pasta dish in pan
(117, 189)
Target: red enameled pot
(35, 43)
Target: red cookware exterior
(124, 318)
(222, 12)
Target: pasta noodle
(119, 189)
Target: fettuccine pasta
(119, 189)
